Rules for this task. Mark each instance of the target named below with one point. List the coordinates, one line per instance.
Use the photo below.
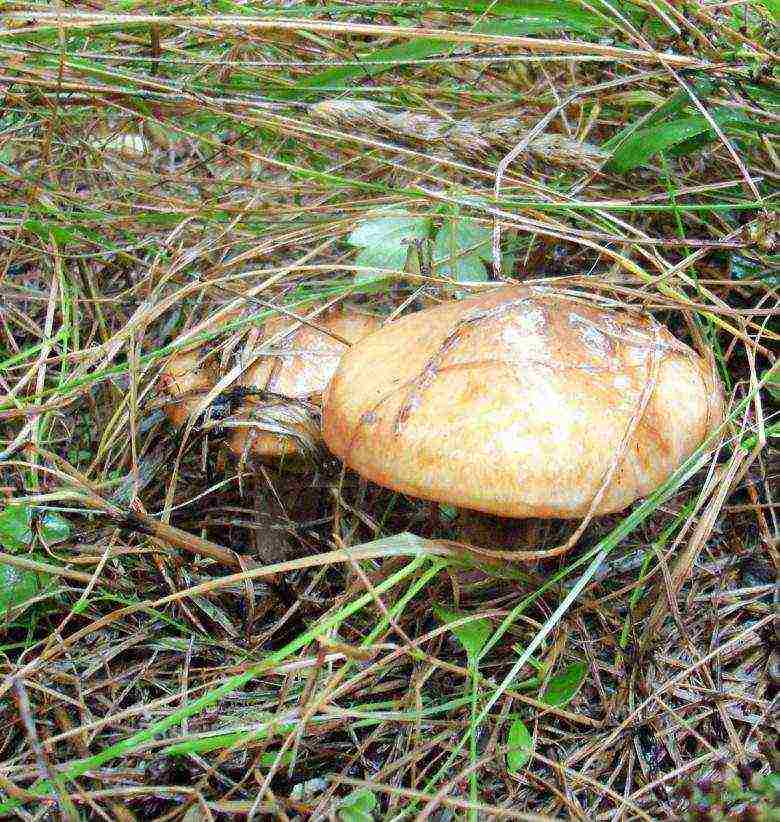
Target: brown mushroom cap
(184, 381)
(300, 369)
(187, 376)
(516, 402)
(306, 357)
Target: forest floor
(190, 637)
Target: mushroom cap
(516, 403)
(305, 358)
(187, 376)
(278, 431)
(299, 369)
(184, 380)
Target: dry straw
(457, 137)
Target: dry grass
(207, 640)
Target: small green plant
(474, 636)
(520, 744)
(386, 241)
(563, 687)
(731, 793)
(357, 806)
(460, 248)
(19, 530)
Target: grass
(161, 162)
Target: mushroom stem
(497, 533)
(270, 543)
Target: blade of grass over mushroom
(296, 303)
(676, 294)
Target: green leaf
(385, 240)
(381, 256)
(520, 744)
(773, 382)
(45, 230)
(750, 441)
(227, 740)
(378, 61)
(764, 94)
(528, 16)
(357, 806)
(563, 687)
(674, 105)
(460, 247)
(646, 142)
(393, 228)
(695, 144)
(770, 784)
(772, 6)
(16, 527)
(640, 146)
(472, 635)
(16, 586)
(54, 528)
(464, 268)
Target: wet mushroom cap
(305, 358)
(187, 376)
(184, 380)
(516, 403)
(299, 369)
(281, 419)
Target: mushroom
(184, 380)
(283, 391)
(187, 376)
(521, 402)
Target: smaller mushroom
(185, 379)
(279, 416)
(280, 392)
(521, 402)
(187, 376)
